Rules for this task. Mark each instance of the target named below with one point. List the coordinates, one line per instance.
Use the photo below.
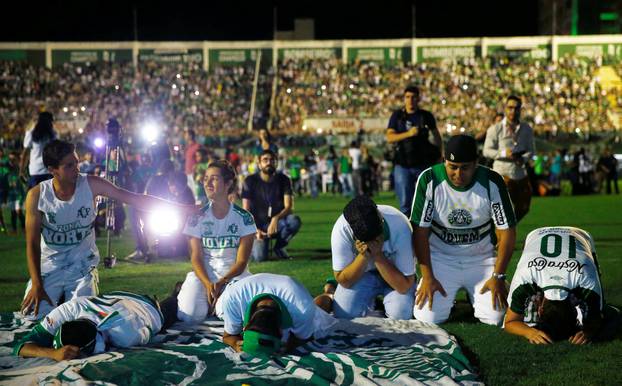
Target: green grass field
(500, 358)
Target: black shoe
(177, 288)
(281, 253)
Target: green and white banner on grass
(365, 351)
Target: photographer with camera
(510, 144)
(408, 131)
(60, 243)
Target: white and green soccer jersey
(67, 235)
(123, 319)
(220, 238)
(557, 262)
(462, 221)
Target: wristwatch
(498, 276)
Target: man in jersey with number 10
(459, 210)
(556, 292)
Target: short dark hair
(362, 215)
(266, 320)
(226, 170)
(268, 151)
(191, 133)
(412, 88)
(55, 150)
(515, 98)
(558, 319)
(81, 333)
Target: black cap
(461, 148)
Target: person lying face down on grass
(267, 314)
(556, 292)
(90, 325)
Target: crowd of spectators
(558, 97)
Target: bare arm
(429, 284)
(353, 272)
(396, 279)
(497, 287)
(33, 253)
(393, 136)
(514, 325)
(23, 161)
(102, 187)
(235, 341)
(31, 350)
(288, 203)
(196, 259)
(241, 262)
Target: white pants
(62, 282)
(192, 300)
(453, 277)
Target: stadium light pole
(413, 17)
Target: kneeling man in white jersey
(92, 324)
(556, 292)
(60, 241)
(459, 210)
(268, 314)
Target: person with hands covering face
(461, 211)
(372, 255)
(221, 239)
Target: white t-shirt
(462, 220)
(557, 262)
(67, 236)
(35, 165)
(220, 238)
(307, 319)
(355, 154)
(397, 245)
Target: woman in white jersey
(221, 240)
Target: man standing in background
(510, 144)
(408, 131)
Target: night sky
(93, 20)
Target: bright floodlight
(80, 130)
(163, 221)
(65, 109)
(99, 142)
(150, 131)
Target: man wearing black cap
(372, 255)
(459, 210)
(268, 314)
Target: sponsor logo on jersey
(232, 228)
(497, 212)
(460, 217)
(84, 212)
(221, 242)
(429, 210)
(539, 263)
(459, 237)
